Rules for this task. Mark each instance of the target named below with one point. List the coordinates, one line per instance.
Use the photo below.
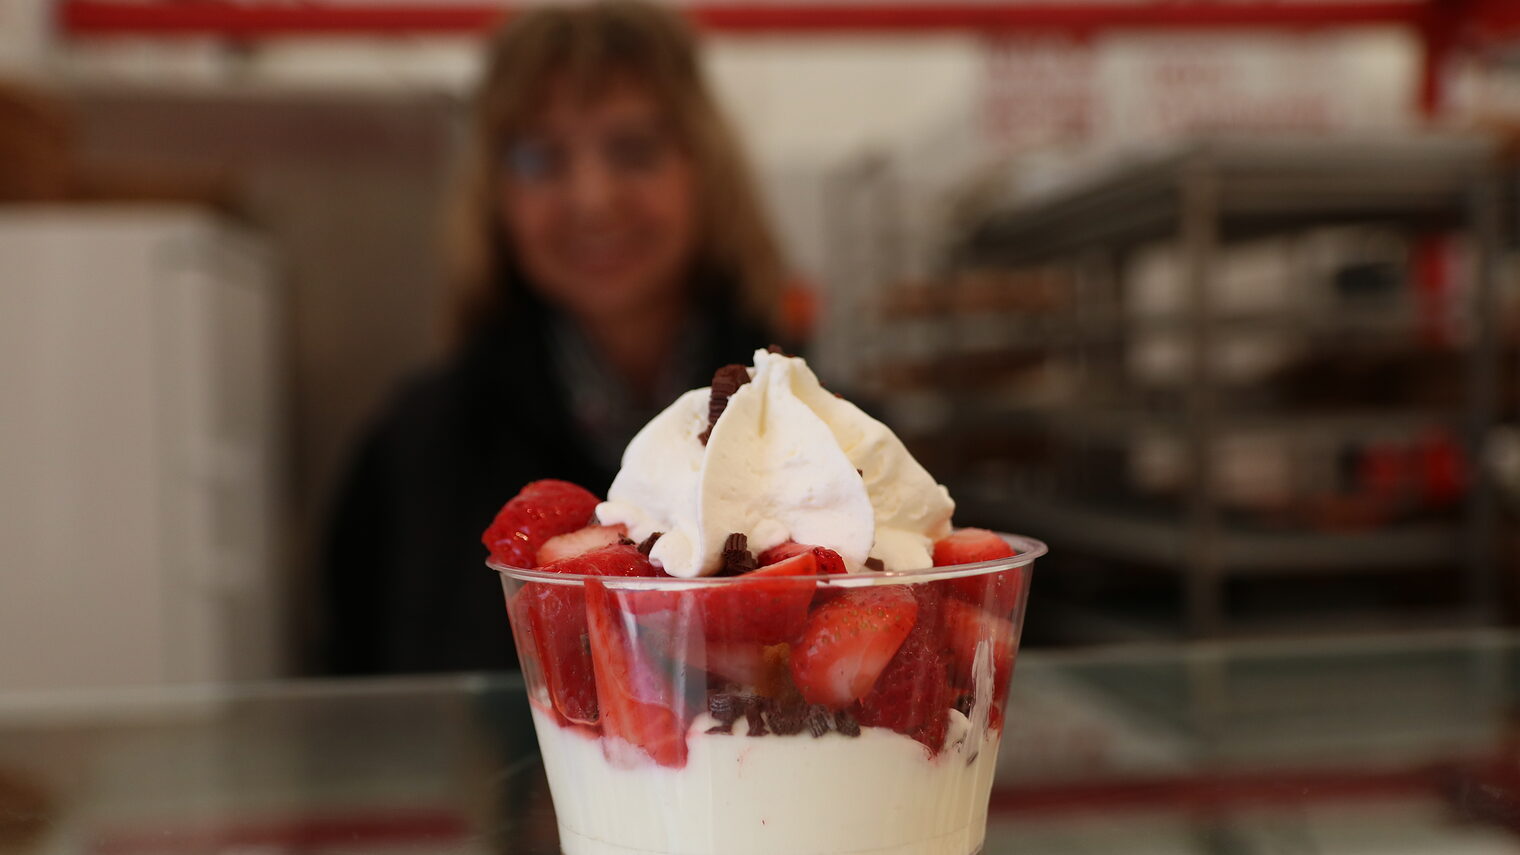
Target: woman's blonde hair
(591, 46)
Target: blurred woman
(611, 254)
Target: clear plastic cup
(739, 716)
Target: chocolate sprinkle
(875, 564)
(819, 721)
(737, 559)
(648, 543)
(726, 381)
(846, 723)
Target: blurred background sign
(1131, 88)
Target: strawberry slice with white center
(848, 641)
(638, 703)
(580, 541)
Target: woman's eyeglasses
(540, 161)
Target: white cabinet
(140, 464)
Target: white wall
(822, 98)
(819, 98)
(806, 105)
(795, 98)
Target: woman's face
(599, 203)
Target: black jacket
(405, 588)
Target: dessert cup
(767, 714)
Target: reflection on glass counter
(1373, 745)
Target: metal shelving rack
(1204, 197)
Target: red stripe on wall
(192, 17)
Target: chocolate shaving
(648, 543)
(788, 719)
(726, 381)
(846, 723)
(754, 713)
(819, 720)
(776, 348)
(875, 564)
(737, 559)
(782, 717)
(625, 540)
(726, 708)
(860, 473)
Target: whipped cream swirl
(787, 460)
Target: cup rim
(1028, 550)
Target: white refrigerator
(141, 459)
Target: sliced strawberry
(967, 626)
(995, 592)
(970, 545)
(521, 607)
(765, 606)
(638, 703)
(540, 511)
(848, 641)
(829, 562)
(804, 563)
(619, 559)
(998, 593)
(783, 552)
(931, 619)
(676, 635)
(913, 694)
(555, 621)
(759, 669)
(563, 546)
(739, 662)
